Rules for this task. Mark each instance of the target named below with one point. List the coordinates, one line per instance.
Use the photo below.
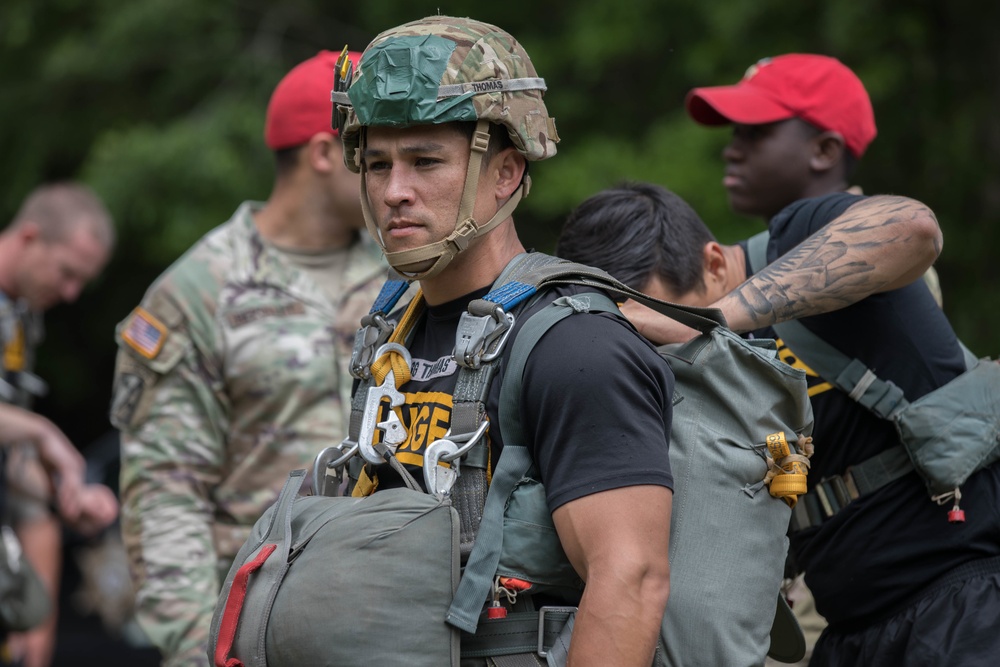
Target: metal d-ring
(324, 462)
(465, 441)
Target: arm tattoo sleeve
(869, 248)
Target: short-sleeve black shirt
(595, 401)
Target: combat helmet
(443, 69)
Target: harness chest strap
(514, 464)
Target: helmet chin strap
(466, 227)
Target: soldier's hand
(98, 508)
(656, 327)
(64, 464)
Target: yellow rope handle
(393, 360)
(787, 470)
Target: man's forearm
(879, 244)
(618, 541)
(42, 542)
(176, 579)
(168, 537)
(614, 627)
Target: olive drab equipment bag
(342, 581)
(741, 421)
(945, 435)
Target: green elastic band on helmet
(400, 82)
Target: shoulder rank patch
(144, 333)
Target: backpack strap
(881, 397)
(480, 339)
(515, 462)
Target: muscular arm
(596, 401)
(878, 244)
(172, 450)
(86, 508)
(60, 458)
(618, 541)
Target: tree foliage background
(159, 105)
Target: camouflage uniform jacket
(231, 373)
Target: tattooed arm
(876, 245)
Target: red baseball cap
(818, 89)
(300, 105)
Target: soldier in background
(233, 370)
(59, 240)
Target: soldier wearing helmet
(441, 119)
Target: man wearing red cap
(233, 370)
(800, 124)
(900, 579)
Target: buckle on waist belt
(834, 493)
(519, 632)
(569, 611)
(829, 496)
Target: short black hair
(286, 160)
(636, 231)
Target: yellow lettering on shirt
(13, 352)
(816, 384)
(426, 416)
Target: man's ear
(510, 166)
(827, 151)
(715, 270)
(322, 150)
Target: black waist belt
(833, 493)
(519, 632)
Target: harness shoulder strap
(515, 460)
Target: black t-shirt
(595, 403)
(883, 547)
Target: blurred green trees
(159, 105)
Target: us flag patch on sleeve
(144, 333)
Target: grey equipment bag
(286, 589)
(728, 534)
(946, 435)
(728, 539)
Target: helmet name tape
(492, 86)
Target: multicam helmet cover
(442, 69)
(438, 70)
